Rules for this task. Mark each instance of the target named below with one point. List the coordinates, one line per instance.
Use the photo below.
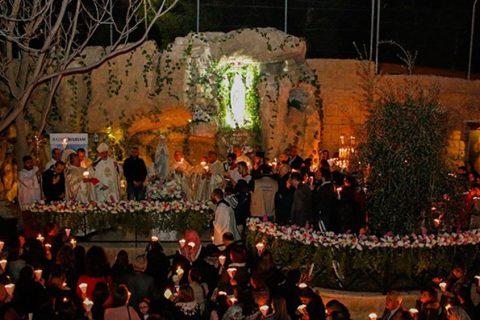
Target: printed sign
(69, 141)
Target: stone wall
(342, 93)
(147, 111)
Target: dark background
(438, 29)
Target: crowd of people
(290, 190)
(53, 277)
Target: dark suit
(325, 204)
(296, 162)
(53, 191)
(302, 205)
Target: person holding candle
(78, 185)
(97, 269)
(315, 309)
(135, 172)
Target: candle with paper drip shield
(9, 288)
(182, 242)
(2, 244)
(86, 174)
(264, 310)
(3, 264)
(38, 274)
(372, 316)
(232, 272)
(221, 260)
(87, 304)
(260, 248)
(83, 287)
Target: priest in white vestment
(224, 219)
(78, 185)
(181, 173)
(29, 190)
(215, 171)
(161, 158)
(107, 171)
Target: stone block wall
(344, 112)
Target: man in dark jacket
(135, 172)
(54, 182)
(302, 201)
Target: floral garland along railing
(330, 239)
(141, 216)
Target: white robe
(108, 174)
(216, 180)
(224, 222)
(75, 188)
(29, 189)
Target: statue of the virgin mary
(161, 158)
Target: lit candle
(182, 242)
(477, 278)
(67, 232)
(222, 293)
(231, 272)
(191, 244)
(10, 288)
(48, 246)
(38, 274)
(302, 285)
(222, 259)
(83, 287)
(413, 311)
(233, 300)
(2, 244)
(87, 304)
(179, 271)
(40, 238)
(168, 293)
(154, 239)
(264, 309)
(86, 174)
(203, 163)
(443, 286)
(73, 242)
(65, 299)
(260, 247)
(301, 308)
(3, 263)
(373, 316)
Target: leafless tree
(41, 41)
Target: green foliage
(406, 138)
(377, 269)
(137, 220)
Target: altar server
(28, 183)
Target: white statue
(238, 103)
(161, 158)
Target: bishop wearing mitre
(107, 171)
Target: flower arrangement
(165, 190)
(367, 263)
(330, 239)
(200, 115)
(141, 216)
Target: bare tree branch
(41, 39)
